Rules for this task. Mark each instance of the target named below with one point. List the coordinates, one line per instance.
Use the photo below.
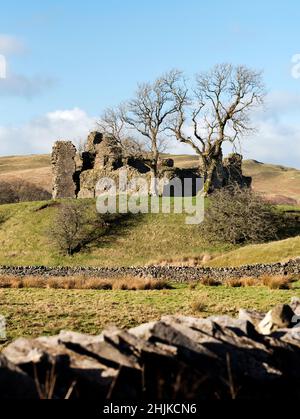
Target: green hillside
(134, 240)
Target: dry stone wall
(255, 356)
(174, 273)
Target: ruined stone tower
(63, 169)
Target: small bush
(141, 284)
(249, 281)
(242, 282)
(75, 226)
(97, 284)
(239, 216)
(34, 282)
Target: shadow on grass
(116, 225)
(290, 226)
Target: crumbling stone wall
(233, 171)
(76, 175)
(64, 169)
(228, 171)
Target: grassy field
(133, 240)
(34, 169)
(34, 312)
(260, 253)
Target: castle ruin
(75, 175)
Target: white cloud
(11, 45)
(276, 142)
(38, 135)
(18, 84)
(23, 86)
(278, 131)
(277, 139)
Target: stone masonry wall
(174, 273)
(64, 169)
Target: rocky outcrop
(174, 273)
(175, 358)
(64, 170)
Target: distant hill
(34, 169)
(278, 183)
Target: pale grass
(278, 282)
(210, 282)
(84, 283)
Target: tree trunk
(212, 172)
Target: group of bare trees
(21, 191)
(216, 109)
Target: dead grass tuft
(198, 306)
(277, 282)
(83, 283)
(242, 282)
(210, 282)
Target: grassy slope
(260, 253)
(19, 163)
(274, 180)
(32, 312)
(34, 169)
(139, 240)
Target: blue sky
(68, 60)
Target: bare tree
(223, 100)
(149, 112)
(113, 124)
(74, 226)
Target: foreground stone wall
(177, 358)
(174, 273)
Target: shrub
(134, 284)
(97, 284)
(75, 226)
(239, 216)
(34, 282)
(234, 282)
(7, 194)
